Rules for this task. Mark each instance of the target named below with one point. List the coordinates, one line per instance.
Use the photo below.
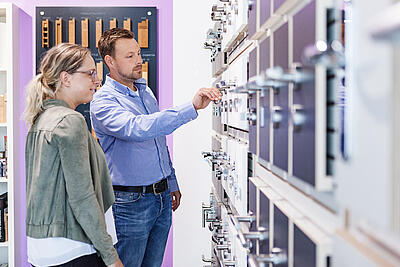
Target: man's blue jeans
(142, 222)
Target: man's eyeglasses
(91, 73)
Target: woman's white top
(59, 250)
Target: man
(131, 131)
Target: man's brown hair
(106, 44)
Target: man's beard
(133, 76)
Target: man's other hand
(176, 199)
(204, 96)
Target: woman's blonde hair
(63, 57)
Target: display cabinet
(323, 140)
(11, 129)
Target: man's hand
(204, 96)
(176, 199)
(118, 263)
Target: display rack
(9, 124)
(315, 175)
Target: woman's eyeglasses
(91, 73)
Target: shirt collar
(49, 103)
(141, 84)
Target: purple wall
(165, 80)
(25, 59)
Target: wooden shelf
(3, 180)
(3, 124)
(3, 244)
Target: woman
(68, 186)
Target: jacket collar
(49, 103)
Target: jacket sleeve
(71, 136)
(109, 117)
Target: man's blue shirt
(131, 130)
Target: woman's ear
(65, 78)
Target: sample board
(85, 25)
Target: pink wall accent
(165, 86)
(25, 60)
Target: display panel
(85, 25)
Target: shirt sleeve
(112, 119)
(172, 181)
(72, 138)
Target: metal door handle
(217, 8)
(261, 234)
(277, 256)
(235, 105)
(276, 116)
(245, 238)
(243, 241)
(298, 117)
(259, 85)
(226, 85)
(206, 154)
(262, 117)
(229, 263)
(296, 75)
(247, 219)
(211, 34)
(223, 247)
(220, 236)
(214, 239)
(251, 116)
(208, 46)
(218, 174)
(214, 225)
(251, 4)
(207, 260)
(215, 17)
(204, 209)
(329, 55)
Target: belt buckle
(155, 189)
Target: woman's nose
(97, 81)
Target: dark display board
(281, 233)
(304, 25)
(62, 17)
(305, 250)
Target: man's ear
(65, 78)
(109, 61)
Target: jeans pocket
(126, 197)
